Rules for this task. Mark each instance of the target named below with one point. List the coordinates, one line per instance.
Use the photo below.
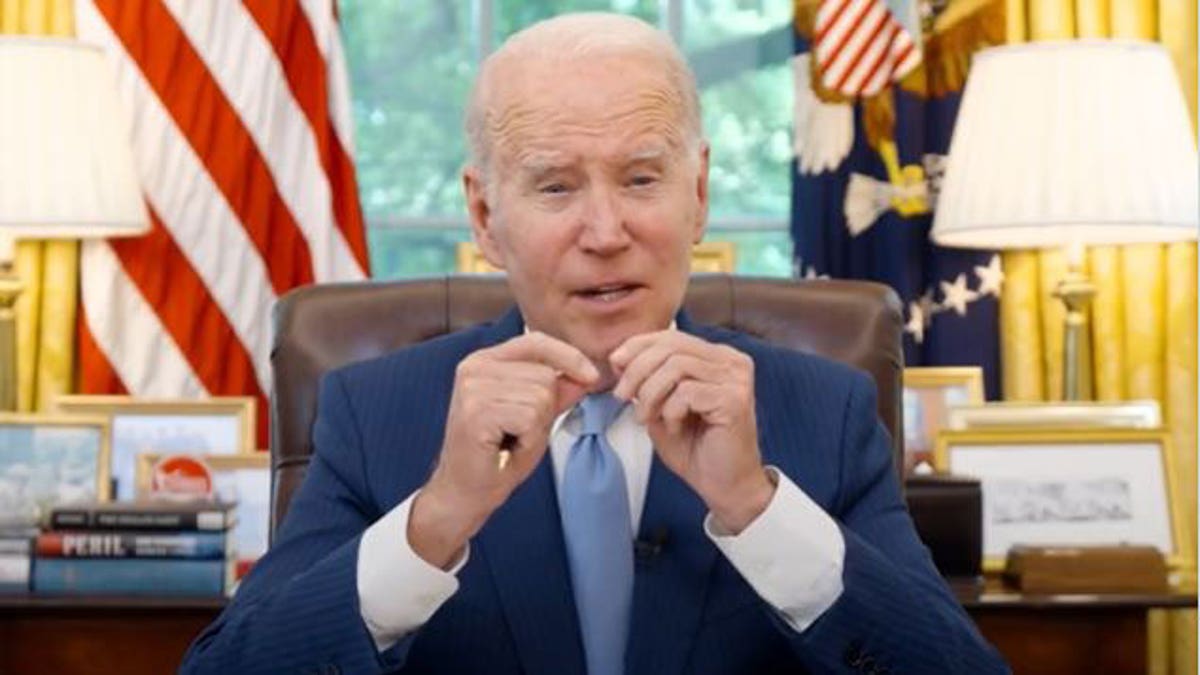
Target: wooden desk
(99, 635)
(1062, 634)
(1037, 634)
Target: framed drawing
(47, 460)
(929, 395)
(215, 426)
(1068, 487)
(1060, 415)
(244, 478)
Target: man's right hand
(514, 389)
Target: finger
(622, 356)
(674, 370)
(644, 363)
(629, 349)
(536, 395)
(688, 398)
(651, 355)
(541, 348)
(520, 428)
(563, 392)
(503, 374)
(567, 392)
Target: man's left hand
(697, 402)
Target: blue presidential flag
(877, 89)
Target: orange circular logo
(181, 476)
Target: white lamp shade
(66, 167)
(1066, 143)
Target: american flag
(860, 46)
(240, 123)
(866, 179)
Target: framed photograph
(215, 426)
(1068, 487)
(47, 460)
(1059, 415)
(244, 478)
(929, 395)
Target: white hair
(583, 35)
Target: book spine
(77, 576)
(195, 545)
(14, 572)
(83, 519)
(15, 545)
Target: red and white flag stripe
(244, 152)
(860, 47)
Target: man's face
(595, 199)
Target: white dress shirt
(791, 555)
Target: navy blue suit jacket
(378, 432)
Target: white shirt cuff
(792, 555)
(397, 590)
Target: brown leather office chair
(320, 328)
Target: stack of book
(136, 548)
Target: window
(412, 63)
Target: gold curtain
(48, 270)
(1143, 320)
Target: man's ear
(479, 209)
(701, 194)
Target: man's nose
(604, 228)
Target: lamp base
(1076, 292)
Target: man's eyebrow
(540, 162)
(647, 154)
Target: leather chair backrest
(320, 328)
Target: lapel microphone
(651, 546)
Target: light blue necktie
(599, 536)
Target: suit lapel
(524, 549)
(670, 584)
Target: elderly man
(473, 501)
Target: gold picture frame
(707, 257)
(929, 394)
(1036, 491)
(1145, 414)
(252, 528)
(217, 425)
(24, 505)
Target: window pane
(707, 23)
(764, 253)
(398, 252)
(512, 16)
(740, 50)
(411, 64)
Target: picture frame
(1069, 487)
(930, 393)
(707, 257)
(47, 460)
(1145, 414)
(223, 425)
(244, 478)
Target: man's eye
(553, 189)
(643, 180)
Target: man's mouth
(608, 292)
